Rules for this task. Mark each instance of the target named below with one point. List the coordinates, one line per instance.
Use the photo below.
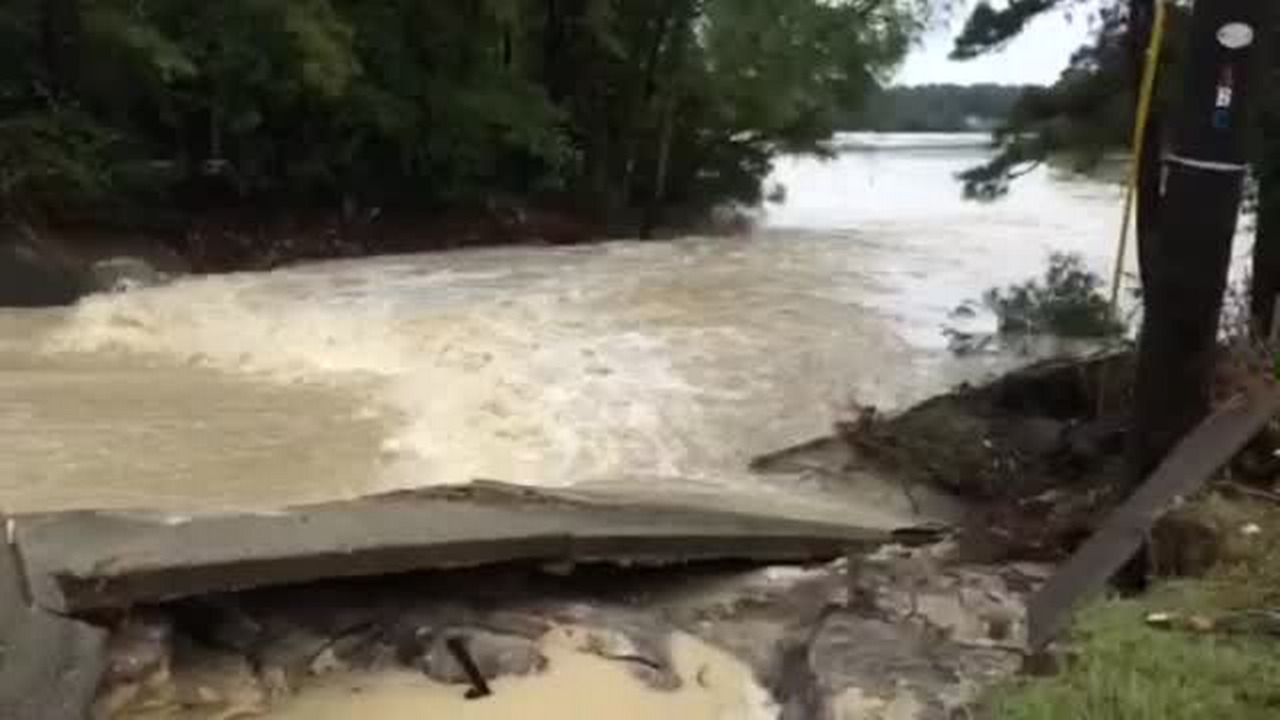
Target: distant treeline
(937, 108)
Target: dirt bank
(1037, 456)
(237, 240)
(43, 265)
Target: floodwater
(668, 360)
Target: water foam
(528, 385)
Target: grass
(1120, 668)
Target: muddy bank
(230, 242)
(41, 268)
(1028, 454)
(239, 240)
(56, 265)
(1037, 456)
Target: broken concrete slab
(94, 560)
(50, 666)
(1201, 454)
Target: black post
(1266, 245)
(1199, 206)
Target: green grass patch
(1121, 668)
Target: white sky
(1037, 56)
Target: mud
(1029, 455)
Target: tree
(623, 109)
(988, 29)
(1187, 210)
(1090, 110)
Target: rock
(286, 659)
(138, 649)
(217, 682)
(1185, 544)
(219, 621)
(119, 274)
(327, 662)
(32, 275)
(1094, 440)
(881, 659)
(623, 635)
(495, 656)
(854, 704)
(648, 657)
(1038, 436)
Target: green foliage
(937, 108)
(616, 106)
(48, 159)
(1124, 669)
(989, 29)
(1066, 302)
(1088, 112)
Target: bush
(51, 160)
(1066, 302)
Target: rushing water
(674, 360)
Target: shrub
(1066, 302)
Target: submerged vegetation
(1067, 302)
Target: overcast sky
(1037, 56)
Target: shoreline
(57, 263)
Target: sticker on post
(1225, 95)
(1235, 36)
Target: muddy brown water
(676, 361)
(635, 365)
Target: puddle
(575, 685)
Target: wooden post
(1199, 206)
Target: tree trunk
(1198, 213)
(639, 111)
(60, 45)
(657, 199)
